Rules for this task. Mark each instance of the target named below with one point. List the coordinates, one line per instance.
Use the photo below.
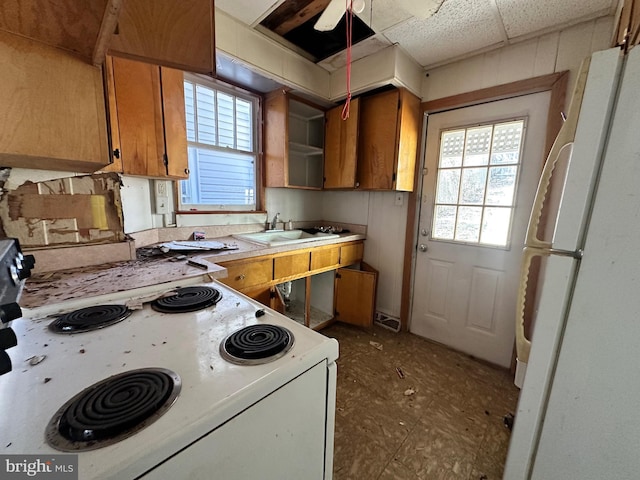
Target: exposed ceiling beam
(292, 14)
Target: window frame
(257, 101)
(507, 246)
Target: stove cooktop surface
(89, 318)
(57, 367)
(256, 344)
(113, 409)
(187, 299)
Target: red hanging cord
(349, 29)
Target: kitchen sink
(274, 238)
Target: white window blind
(222, 148)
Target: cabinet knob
(241, 276)
(186, 170)
(357, 184)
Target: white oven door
(281, 436)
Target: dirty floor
(443, 420)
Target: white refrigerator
(578, 416)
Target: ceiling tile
(248, 11)
(459, 27)
(525, 17)
(383, 14)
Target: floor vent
(387, 321)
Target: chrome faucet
(275, 221)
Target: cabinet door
(53, 113)
(377, 147)
(174, 121)
(147, 119)
(408, 139)
(276, 151)
(355, 295)
(178, 34)
(341, 147)
(139, 114)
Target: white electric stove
(217, 416)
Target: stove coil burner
(113, 409)
(187, 299)
(90, 318)
(256, 344)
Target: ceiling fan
(336, 9)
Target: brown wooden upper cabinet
(293, 143)
(341, 147)
(388, 140)
(147, 119)
(174, 33)
(53, 114)
(376, 147)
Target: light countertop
(62, 285)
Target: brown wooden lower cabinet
(308, 286)
(355, 295)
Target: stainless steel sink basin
(274, 238)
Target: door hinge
(338, 275)
(335, 313)
(393, 177)
(272, 294)
(399, 104)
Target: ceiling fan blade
(331, 16)
(420, 8)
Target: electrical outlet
(161, 188)
(399, 199)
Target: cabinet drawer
(290, 265)
(351, 253)
(325, 258)
(247, 274)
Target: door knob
(422, 247)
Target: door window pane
(448, 185)
(501, 185)
(452, 146)
(477, 176)
(468, 224)
(444, 223)
(477, 146)
(473, 182)
(495, 226)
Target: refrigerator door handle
(533, 245)
(564, 139)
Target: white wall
(293, 204)
(384, 247)
(550, 53)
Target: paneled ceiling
(458, 29)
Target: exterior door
(483, 164)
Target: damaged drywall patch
(64, 211)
